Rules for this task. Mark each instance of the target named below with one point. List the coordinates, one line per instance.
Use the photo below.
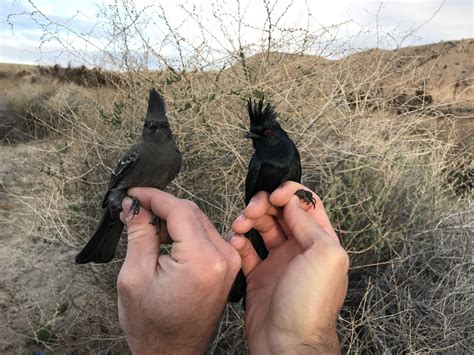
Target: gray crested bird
(153, 162)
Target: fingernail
(241, 217)
(233, 240)
(127, 207)
(252, 201)
(236, 241)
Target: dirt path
(29, 280)
(44, 297)
(18, 264)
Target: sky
(91, 32)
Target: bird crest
(260, 114)
(156, 106)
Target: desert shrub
(44, 108)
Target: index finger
(146, 195)
(174, 211)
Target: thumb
(143, 242)
(305, 230)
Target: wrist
(303, 349)
(326, 343)
(155, 346)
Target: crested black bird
(153, 162)
(275, 160)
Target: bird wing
(128, 161)
(252, 176)
(297, 161)
(294, 171)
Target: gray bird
(153, 162)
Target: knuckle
(234, 261)
(189, 208)
(191, 205)
(126, 284)
(212, 272)
(331, 254)
(339, 258)
(219, 266)
(345, 260)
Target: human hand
(172, 303)
(295, 294)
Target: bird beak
(151, 124)
(251, 135)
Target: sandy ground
(28, 282)
(41, 292)
(48, 305)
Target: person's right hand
(171, 304)
(295, 294)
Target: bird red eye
(267, 132)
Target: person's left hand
(172, 303)
(295, 294)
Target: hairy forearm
(327, 344)
(164, 348)
(302, 349)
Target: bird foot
(155, 220)
(306, 196)
(135, 207)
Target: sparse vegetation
(394, 172)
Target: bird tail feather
(103, 243)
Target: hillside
(409, 78)
(445, 71)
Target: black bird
(276, 160)
(153, 162)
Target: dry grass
(396, 189)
